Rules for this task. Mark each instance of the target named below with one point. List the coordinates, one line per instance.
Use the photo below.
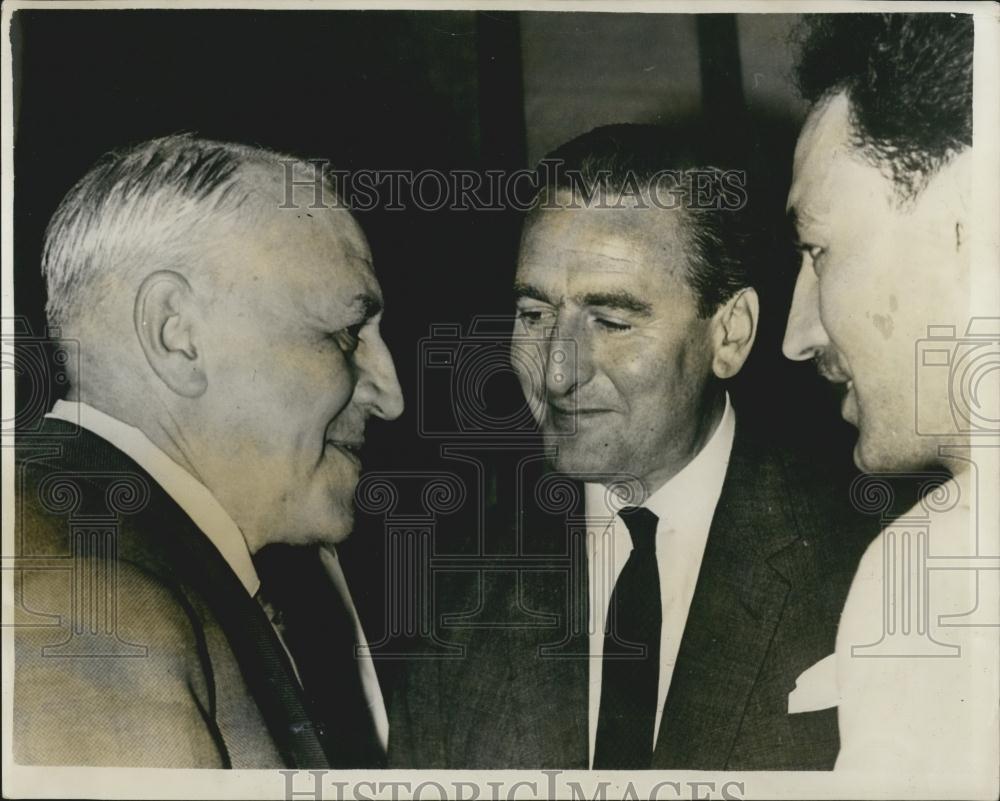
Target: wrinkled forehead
(313, 262)
(610, 240)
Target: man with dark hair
(909, 81)
(882, 201)
(673, 573)
(180, 597)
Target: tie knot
(641, 525)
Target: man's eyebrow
(792, 227)
(799, 218)
(522, 290)
(621, 300)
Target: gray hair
(140, 207)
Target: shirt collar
(187, 492)
(690, 496)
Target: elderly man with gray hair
(206, 461)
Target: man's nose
(805, 336)
(568, 364)
(378, 386)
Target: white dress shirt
(685, 506)
(913, 713)
(208, 515)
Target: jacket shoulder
(815, 491)
(109, 670)
(111, 666)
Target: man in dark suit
(180, 600)
(678, 574)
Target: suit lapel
(737, 604)
(541, 715)
(548, 666)
(265, 668)
(174, 548)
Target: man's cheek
(530, 370)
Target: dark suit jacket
(137, 644)
(780, 555)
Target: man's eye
(349, 338)
(612, 325)
(531, 316)
(814, 253)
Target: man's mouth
(577, 411)
(830, 366)
(568, 419)
(832, 371)
(351, 449)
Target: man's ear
(166, 325)
(734, 327)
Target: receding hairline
(656, 233)
(830, 130)
(857, 146)
(264, 225)
(152, 204)
(267, 189)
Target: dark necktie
(319, 633)
(631, 660)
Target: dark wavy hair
(621, 158)
(908, 78)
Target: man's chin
(325, 540)
(568, 461)
(339, 531)
(859, 460)
(582, 466)
(868, 458)
(326, 530)
(873, 455)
